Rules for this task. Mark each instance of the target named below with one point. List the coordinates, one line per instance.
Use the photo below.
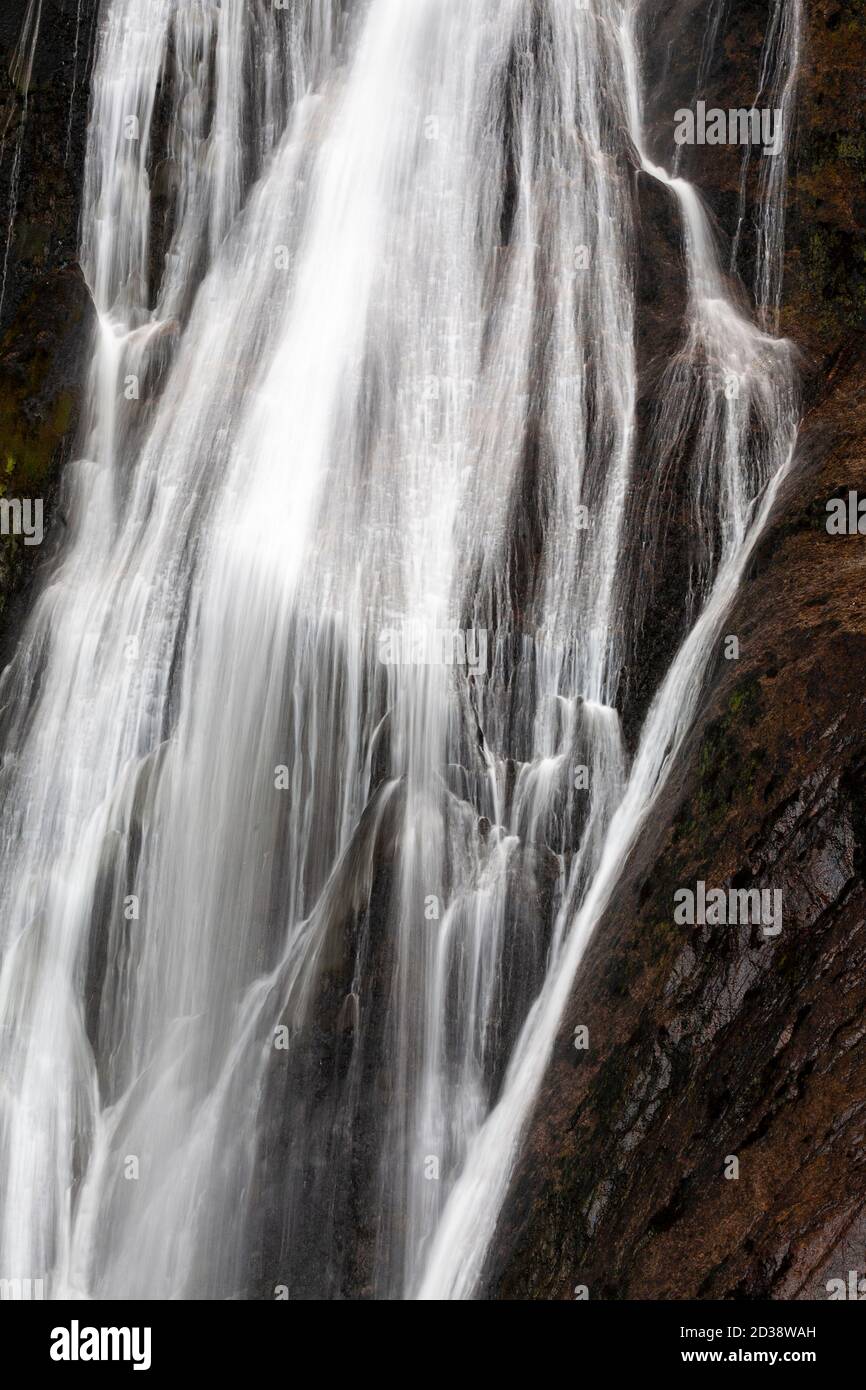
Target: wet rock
(47, 314)
(714, 1043)
(824, 299)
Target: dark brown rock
(716, 1041)
(47, 314)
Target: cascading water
(290, 909)
(734, 389)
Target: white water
(722, 348)
(368, 365)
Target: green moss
(852, 147)
(725, 774)
(30, 439)
(832, 275)
(746, 700)
(665, 938)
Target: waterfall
(746, 444)
(314, 783)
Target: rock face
(719, 1041)
(46, 310)
(713, 1043)
(825, 267)
(825, 299)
